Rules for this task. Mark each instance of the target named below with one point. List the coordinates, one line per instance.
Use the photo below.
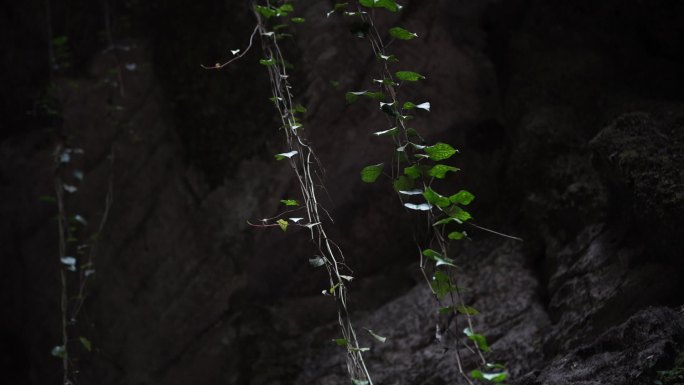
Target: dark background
(569, 120)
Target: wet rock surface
(569, 121)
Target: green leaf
(456, 235)
(267, 62)
(440, 284)
(390, 5)
(284, 9)
(444, 221)
(282, 223)
(440, 151)
(289, 202)
(265, 11)
(317, 261)
(409, 76)
(403, 183)
(298, 20)
(377, 337)
(438, 258)
(439, 171)
(370, 174)
(423, 106)
(458, 213)
(413, 171)
(86, 343)
(479, 339)
(341, 342)
(391, 132)
(489, 377)
(462, 197)
(402, 34)
(435, 198)
(467, 310)
(284, 155)
(300, 108)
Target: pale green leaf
(409, 76)
(402, 34)
(370, 174)
(440, 151)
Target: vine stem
(62, 273)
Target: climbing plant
(413, 170)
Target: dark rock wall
(569, 120)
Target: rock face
(570, 122)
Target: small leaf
(390, 5)
(265, 11)
(352, 96)
(359, 382)
(424, 106)
(282, 223)
(467, 310)
(435, 198)
(402, 183)
(409, 76)
(370, 174)
(347, 277)
(389, 58)
(402, 34)
(289, 202)
(445, 221)
(317, 261)
(440, 151)
(300, 108)
(439, 171)
(490, 377)
(438, 258)
(413, 171)
(420, 207)
(462, 197)
(411, 192)
(298, 20)
(440, 284)
(341, 341)
(267, 62)
(295, 220)
(456, 235)
(285, 155)
(479, 339)
(86, 343)
(377, 337)
(458, 213)
(391, 132)
(58, 351)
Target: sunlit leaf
(440, 151)
(412, 171)
(402, 34)
(370, 174)
(282, 223)
(411, 192)
(462, 197)
(289, 202)
(341, 341)
(456, 235)
(391, 132)
(439, 171)
(409, 76)
(435, 198)
(285, 155)
(377, 337)
(419, 207)
(267, 62)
